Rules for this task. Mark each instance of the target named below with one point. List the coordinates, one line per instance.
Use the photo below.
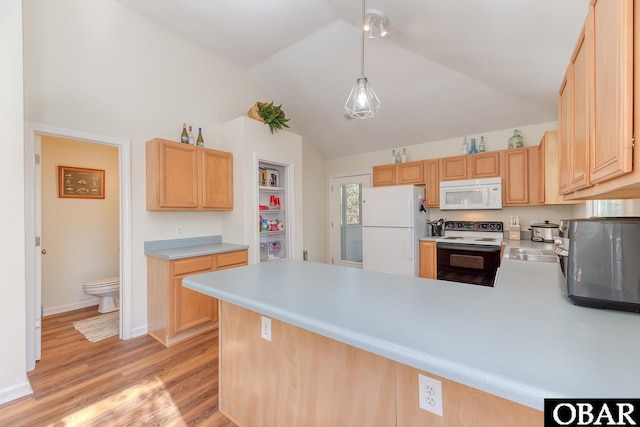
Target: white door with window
(346, 219)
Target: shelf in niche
(262, 188)
(263, 233)
(269, 210)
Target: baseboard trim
(15, 391)
(140, 331)
(70, 307)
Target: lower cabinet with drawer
(176, 313)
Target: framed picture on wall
(80, 183)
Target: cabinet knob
(44, 251)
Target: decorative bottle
(473, 149)
(465, 146)
(404, 155)
(516, 140)
(190, 137)
(184, 138)
(393, 156)
(398, 156)
(482, 147)
(200, 140)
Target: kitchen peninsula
(349, 344)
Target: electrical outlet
(430, 394)
(179, 230)
(266, 328)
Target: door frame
(33, 133)
(334, 218)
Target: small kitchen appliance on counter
(599, 262)
(544, 232)
(469, 252)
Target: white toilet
(108, 290)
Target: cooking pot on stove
(544, 232)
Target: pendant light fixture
(363, 101)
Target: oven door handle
(467, 247)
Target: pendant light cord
(362, 46)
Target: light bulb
(383, 30)
(361, 98)
(367, 25)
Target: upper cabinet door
(177, 174)
(410, 173)
(485, 165)
(432, 183)
(516, 179)
(611, 150)
(582, 90)
(384, 175)
(565, 125)
(217, 179)
(452, 168)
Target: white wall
(250, 140)
(98, 67)
(315, 200)
(13, 378)
(81, 236)
(111, 72)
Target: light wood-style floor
(137, 382)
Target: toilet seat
(115, 280)
(102, 288)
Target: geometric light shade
(363, 102)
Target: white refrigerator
(392, 224)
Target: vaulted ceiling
(447, 68)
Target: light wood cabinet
(384, 175)
(453, 168)
(410, 173)
(611, 151)
(432, 182)
(548, 182)
(582, 104)
(186, 177)
(398, 174)
(608, 53)
(484, 165)
(565, 126)
(530, 175)
(428, 260)
(217, 179)
(174, 312)
(521, 186)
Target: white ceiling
(448, 67)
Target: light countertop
(189, 247)
(521, 340)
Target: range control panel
(473, 226)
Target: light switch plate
(430, 394)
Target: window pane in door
(351, 222)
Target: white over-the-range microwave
(482, 193)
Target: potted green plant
(272, 115)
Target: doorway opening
(33, 139)
(346, 219)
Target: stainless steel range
(469, 252)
